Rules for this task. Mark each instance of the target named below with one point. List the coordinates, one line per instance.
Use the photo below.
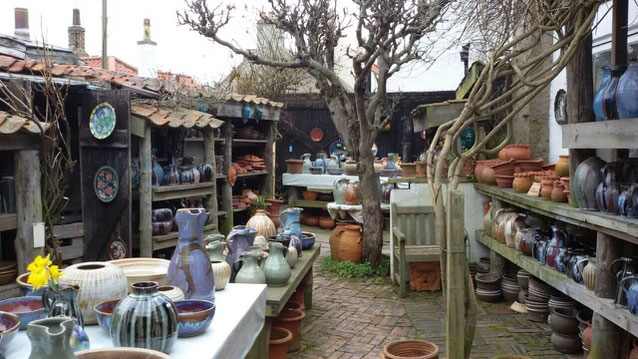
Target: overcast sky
(180, 50)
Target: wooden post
(269, 160)
(146, 194)
(209, 157)
(27, 179)
(455, 269)
(227, 191)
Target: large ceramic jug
(553, 247)
(608, 190)
(339, 190)
(238, 241)
(623, 267)
(190, 268)
(334, 163)
(290, 221)
(250, 271)
(64, 302)
(610, 108)
(598, 96)
(512, 225)
(276, 268)
(51, 338)
(586, 179)
(215, 247)
(306, 163)
(627, 92)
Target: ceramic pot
(409, 169)
(350, 244)
(627, 92)
(276, 268)
(312, 220)
(526, 245)
(260, 221)
(504, 168)
(527, 165)
(586, 179)
(292, 257)
(350, 168)
(563, 321)
(562, 166)
(221, 272)
(145, 319)
(522, 182)
(598, 96)
(608, 191)
(566, 344)
(488, 176)
(511, 227)
(250, 271)
(98, 282)
(291, 320)
(558, 193)
(587, 336)
(290, 221)
(487, 218)
(404, 349)
(422, 169)
(51, 338)
(161, 215)
(171, 292)
(515, 152)
(326, 222)
(501, 222)
(628, 202)
(547, 186)
(280, 339)
(274, 207)
(335, 238)
(65, 303)
(238, 241)
(478, 171)
(294, 166)
(339, 190)
(190, 268)
(609, 96)
(589, 274)
(351, 195)
(504, 181)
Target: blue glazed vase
(628, 201)
(627, 93)
(629, 285)
(608, 191)
(238, 241)
(598, 96)
(145, 319)
(609, 96)
(190, 268)
(158, 173)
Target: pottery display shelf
(605, 307)
(239, 318)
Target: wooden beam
(227, 191)
(19, 141)
(455, 269)
(146, 196)
(27, 177)
(600, 134)
(209, 157)
(619, 19)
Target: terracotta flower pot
(421, 169)
(547, 185)
(504, 181)
(478, 171)
(291, 320)
(312, 220)
(280, 339)
(294, 166)
(409, 169)
(326, 222)
(295, 305)
(527, 165)
(488, 176)
(558, 193)
(415, 349)
(562, 166)
(515, 152)
(351, 195)
(335, 237)
(467, 170)
(350, 244)
(505, 168)
(522, 182)
(298, 296)
(309, 195)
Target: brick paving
(355, 318)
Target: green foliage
(348, 269)
(259, 203)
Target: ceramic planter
(351, 195)
(294, 166)
(504, 181)
(335, 238)
(404, 349)
(171, 292)
(558, 194)
(547, 186)
(527, 165)
(488, 176)
(98, 282)
(563, 321)
(51, 338)
(562, 166)
(221, 272)
(145, 319)
(278, 344)
(326, 222)
(291, 320)
(309, 195)
(264, 226)
(505, 168)
(515, 152)
(522, 182)
(350, 244)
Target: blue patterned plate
(107, 184)
(102, 121)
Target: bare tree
(512, 77)
(389, 34)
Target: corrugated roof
(175, 117)
(10, 124)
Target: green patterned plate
(107, 184)
(102, 121)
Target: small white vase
(174, 293)
(221, 272)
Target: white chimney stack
(21, 23)
(148, 51)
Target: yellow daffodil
(43, 272)
(37, 279)
(54, 273)
(43, 262)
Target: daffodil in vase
(58, 300)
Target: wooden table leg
(308, 282)
(259, 349)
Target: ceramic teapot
(276, 267)
(306, 163)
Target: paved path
(355, 318)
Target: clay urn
(547, 185)
(478, 170)
(522, 182)
(351, 195)
(558, 193)
(562, 166)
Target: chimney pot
(77, 36)
(147, 21)
(21, 23)
(76, 17)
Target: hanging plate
(102, 121)
(316, 134)
(107, 184)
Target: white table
(316, 182)
(239, 317)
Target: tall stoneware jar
(350, 244)
(351, 195)
(627, 92)
(98, 282)
(264, 225)
(335, 238)
(589, 273)
(190, 268)
(145, 319)
(562, 166)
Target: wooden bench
(414, 231)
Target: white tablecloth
(316, 181)
(239, 317)
(342, 211)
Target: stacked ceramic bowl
(483, 266)
(510, 288)
(560, 300)
(537, 300)
(523, 281)
(564, 325)
(488, 287)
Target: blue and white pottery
(195, 316)
(27, 309)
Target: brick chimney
(76, 36)
(148, 50)
(22, 24)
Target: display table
(344, 211)
(239, 318)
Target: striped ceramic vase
(145, 319)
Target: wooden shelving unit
(601, 134)
(310, 204)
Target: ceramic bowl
(103, 312)
(335, 171)
(27, 309)
(194, 316)
(9, 325)
(121, 353)
(26, 289)
(307, 240)
(309, 195)
(489, 281)
(143, 269)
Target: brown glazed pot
(350, 244)
(547, 185)
(335, 238)
(421, 169)
(558, 193)
(488, 176)
(326, 222)
(409, 169)
(294, 166)
(413, 349)
(291, 320)
(562, 166)
(522, 182)
(351, 195)
(280, 339)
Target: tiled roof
(175, 117)
(113, 64)
(181, 79)
(253, 100)
(10, 124)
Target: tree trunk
(369, 193)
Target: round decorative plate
(117, 248)
(102, 121)
(107, 184)
(316, 134)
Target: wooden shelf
(238, 210)
(424, 180)
(245, 142)
(194, 139)
(605, 307)
(170, 240)
(613, 225)
(249, 175)
(8, 221)
(163, 193)
(612, 134)
(310, 204)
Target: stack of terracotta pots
(285, 335)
